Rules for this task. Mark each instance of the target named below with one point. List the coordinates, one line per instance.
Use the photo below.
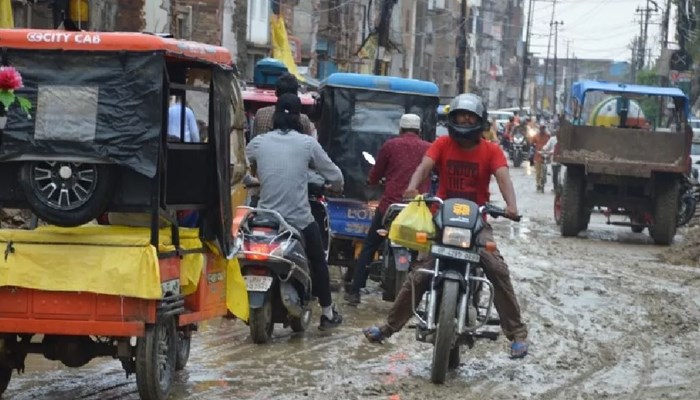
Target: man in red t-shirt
(465, 163)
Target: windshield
(441, 130)
(695, 149)
(636, 111)
(695, 123)
(377, 118)
(500, 115)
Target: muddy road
(608, 318)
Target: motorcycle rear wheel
(445, 335)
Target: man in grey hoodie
(281, 159)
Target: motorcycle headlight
(518, 139)
(457, 237)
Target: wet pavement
(608, 320)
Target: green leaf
(24, 104)
(6, 99)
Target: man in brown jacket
(286, 83)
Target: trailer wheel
(572, 216)
(5, 376)
(156, 355)
(665, 211)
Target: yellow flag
(281, 49)
(6, 20)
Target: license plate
(256, 283)
(402, 258)
(454, 253)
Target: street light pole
(554, 90)
(526, 55)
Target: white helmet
(410, 121)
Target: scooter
(519, 148)
(276, 270)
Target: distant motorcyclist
(281, 159)
(465, 162)
(396, 161)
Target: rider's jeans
(540, 174)
(320, 279)
(369, 247)
(495, 269)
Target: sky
(595, 28)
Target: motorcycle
(688, 200)
(519, 148)
(453, 317)
(275, 268)
(395, 260)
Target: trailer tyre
(665, 211)
(156, 355)
(67, 193)
(5, 376)
(572, 215)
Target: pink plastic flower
(10, 79)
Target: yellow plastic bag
(413, 228)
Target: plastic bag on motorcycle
(413, 228)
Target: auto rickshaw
(358, 114)
(262, 92)
(95, 138)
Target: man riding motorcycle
(397, 160)
(281, 159)
(465, 163)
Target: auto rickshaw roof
(381, 83)
(580, 88)
(37, 39)
(269, 96)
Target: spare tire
(67, 193)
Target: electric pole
(549, 45)
(665, 25)
(567, 83)
(526, 54)
(462, 58)
(315, 19)
(554, 90)
(383, 29)
(645, 13)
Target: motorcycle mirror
(368, 157)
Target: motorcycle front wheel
(445, 335)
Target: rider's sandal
(374, 334)
(518, 350)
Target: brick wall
(206, 25)
(129, 17)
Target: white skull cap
(410, 121)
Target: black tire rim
(165, 341)
(63, 186)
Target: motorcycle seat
(265, 221)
